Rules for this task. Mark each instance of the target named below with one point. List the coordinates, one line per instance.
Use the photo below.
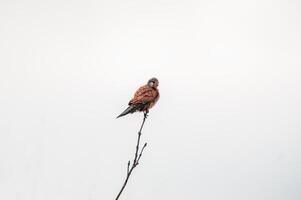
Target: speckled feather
(146, 95)
(144, 98)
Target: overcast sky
(227, 125)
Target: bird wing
(144, 94)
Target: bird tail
(131, 109)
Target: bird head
(153, 82)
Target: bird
(144, 98)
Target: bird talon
(146, 114)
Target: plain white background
(227, 125)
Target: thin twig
(128, 167)
(141, 152)
(136, 159)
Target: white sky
(227, 125)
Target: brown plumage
(144, 98)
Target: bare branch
(136, 158)
(129, 163)
(141, 153)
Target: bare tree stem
(137, 157)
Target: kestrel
(144, 98)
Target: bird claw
(146, 114)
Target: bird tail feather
(131, 109)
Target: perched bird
(144, 98)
